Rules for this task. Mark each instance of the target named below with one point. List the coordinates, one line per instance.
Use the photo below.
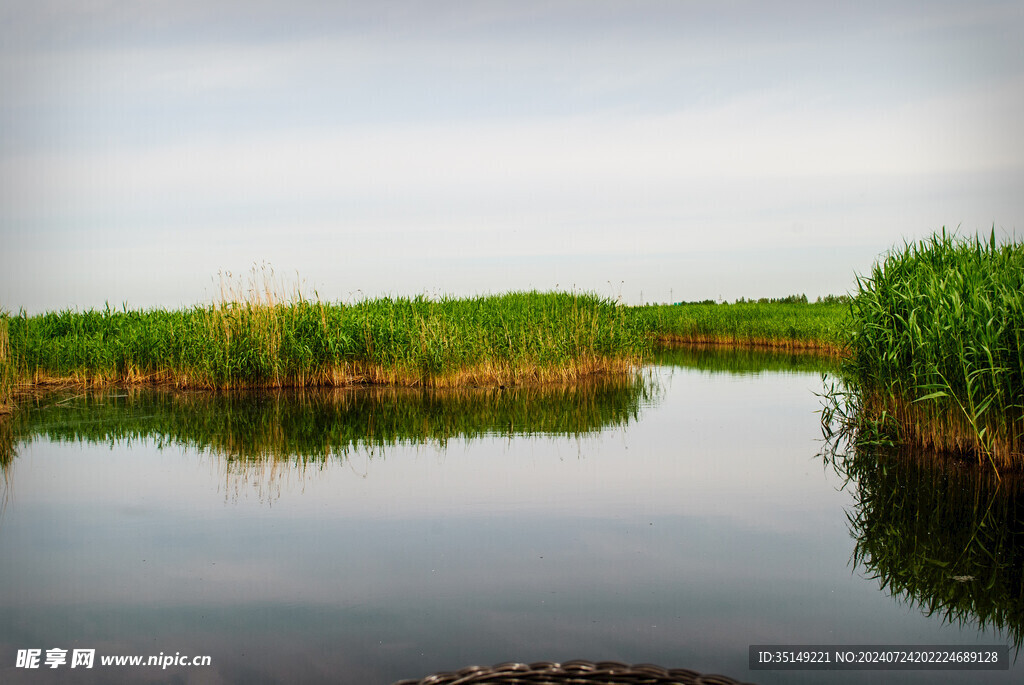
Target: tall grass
(258, 336)
(937, 347)
(8, 367)
(790, 324)
(260, 341)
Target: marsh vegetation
(787, 324)
(261, 342)
(8, 367)
(933, 340)
(256, 338)
(937, 351)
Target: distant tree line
(789, 299)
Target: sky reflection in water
(675, 520)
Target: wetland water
(365, 536)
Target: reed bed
(788, 325)
(937, 348)
(255, 336)
(259, 341)
(255, 339)
(8, 367)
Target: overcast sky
(687, 149)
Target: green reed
(789, 324)
(8, 367)
(259, 341)
(255, 337)
(937, 347)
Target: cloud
(771, 135)
(507, 130)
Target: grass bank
(506, 339)
(937, 348)
(788, 324)
(260, 342)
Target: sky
(646, 151)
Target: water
(369, 536)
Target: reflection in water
(743, 361)
(7, 454)
(257, 433)
(700, 529)
(943, 536)
(312, 425)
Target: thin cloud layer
(521, 144)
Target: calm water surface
(367, 536)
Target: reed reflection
(941, 535)
(260, 434)
(7, 454)
(743, 361)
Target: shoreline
(486, 375)
(347, 376)
(494, 340)
(789, 346)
